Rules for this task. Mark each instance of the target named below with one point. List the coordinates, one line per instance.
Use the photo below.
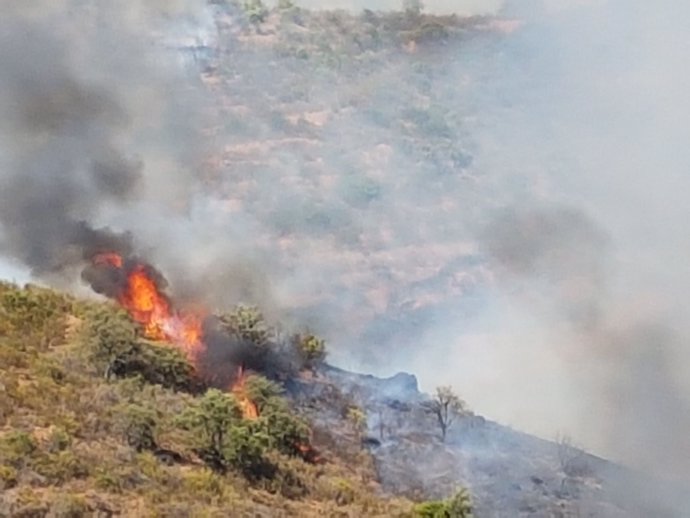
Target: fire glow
(138, 288)
(248, 407)
(148, 306)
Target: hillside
(75, 442)
(229, 209)
(95, 420)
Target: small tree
(311, 350)
(283, 430)
(247, 323)
(446, 406)
(210, 420)
(224, 439)
(572, 462)
(357, 418)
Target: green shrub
(116, 350)
(255, 10)
(247, 323)
(357, 418)
(204, 484)
(161, 364)
(359, 191)
(15, 448)
(457, 506)
(8, 477)
(35, 314)
(60, 467)
(58, 440)
(140, 427)
(111, 337)
(283, 431)
(210, 420)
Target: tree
(446, 406)
(283, 430)
(255, 10)
(224, 439)
(210, 420)
(310, 349)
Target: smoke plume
(77, 92)
(500, 208)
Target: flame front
(141, 296)
(147, 305)
(249, 409)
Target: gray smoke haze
(463, 7)
(502, 212)
(585, 329)
(93, 120)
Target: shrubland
(97, 420)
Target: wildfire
(136, 288)
(146, 304)
(248, 407)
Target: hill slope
(74, 442)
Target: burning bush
(229, 437)
(223, 438)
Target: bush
(35, 314)
(140, 427)
(360, 191)
(457, 506)
(284, 431)
(357, 418)
(16, 448)
(117, 351)
(220, 435)
(112, 339)
(8, 477)
(160, 364)
(60, 467)
(255, 10)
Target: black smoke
(61, 159)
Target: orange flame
(309, 453)
(148, 306)
(249, 409)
